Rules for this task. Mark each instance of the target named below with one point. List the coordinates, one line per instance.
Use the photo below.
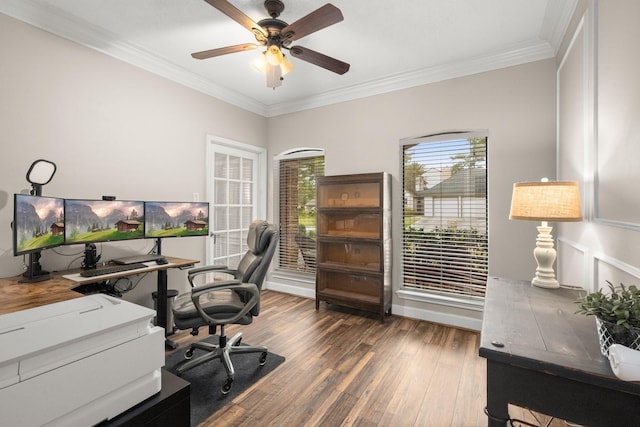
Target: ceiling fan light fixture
(260, 63)
(274, 55)
(286, 65)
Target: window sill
(475, 304)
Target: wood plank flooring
(346, 368)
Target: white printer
(77, 362)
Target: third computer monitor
(176, 219)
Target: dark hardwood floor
(346, 368)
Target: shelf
(356, 268)
(348, 295)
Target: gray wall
(598, 142)
(115, 129)
(516, 105)
(111, 128)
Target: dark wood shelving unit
(354, 241)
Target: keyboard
(111, 269)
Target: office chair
(220, 303)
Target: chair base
(222, 352)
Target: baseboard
(290, 289)
(450, 319)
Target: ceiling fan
(276, 35)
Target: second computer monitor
(176, 219)
(92, 221)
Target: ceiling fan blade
(224, 50)
(319, 59)
(237, 15)
(316, 20)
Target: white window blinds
(444, 239)
(297, 192)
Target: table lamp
(545, 201)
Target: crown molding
(55, 21)
(556, 21)
(64, 25)
(516, 55)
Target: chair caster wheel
(188, 354)
(226, 387)
(263, 359)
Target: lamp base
(545, 256)
(545, 283)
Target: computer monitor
(176, 219)
(38, 223)
(94, 221)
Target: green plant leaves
(620, 306)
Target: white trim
(69, 27)
(585, 259)
(556, 21)
(438, 317)
(299, 153)
(455, 320)
(290, 289)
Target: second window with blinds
(444, 239)
(297, 172)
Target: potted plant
(617, 315)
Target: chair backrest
(262, 241)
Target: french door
(235, 185)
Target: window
(444, 239)
(297, 190)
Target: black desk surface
(541, 334)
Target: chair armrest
(195, 272)
(235, 285)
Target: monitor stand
(34, 272)
(91, 257)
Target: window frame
(450, 299)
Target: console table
(542, 356)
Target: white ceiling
(390, 44)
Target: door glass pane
(220, 218)
(247, 170)
(247, 196)
(234, 167)
(247, 216)
(220, 167)
(220, 192)
(234, 193)
(235, 242)
(220, 245)
(234, 217)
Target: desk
(15, 296)
(170, 406)
(550, 360)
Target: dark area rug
(207, 379)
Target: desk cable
(511, 421)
